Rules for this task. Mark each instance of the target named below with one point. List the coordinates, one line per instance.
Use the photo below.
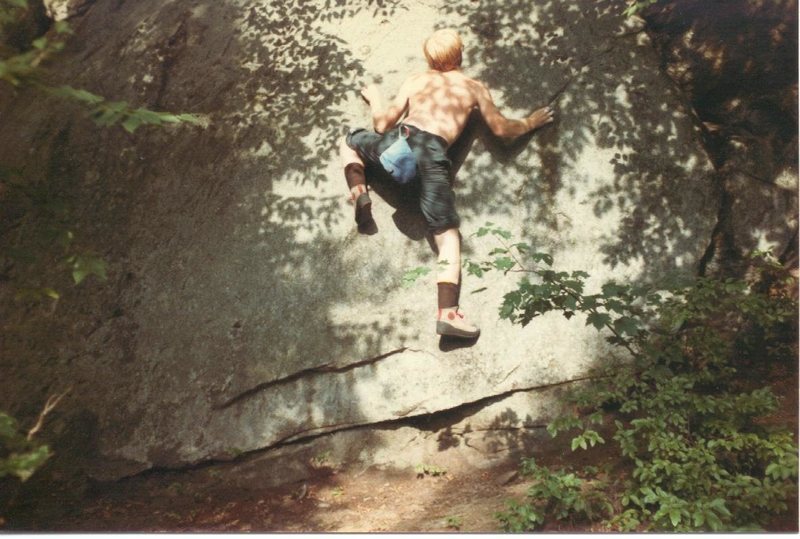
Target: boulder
(242, 308)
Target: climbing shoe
(363, 209)
(451, 322)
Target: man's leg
(449, 320)
(356, 181)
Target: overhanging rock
(243, 308)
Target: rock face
(737, 63)
(242, 308)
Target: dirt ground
(370, 501)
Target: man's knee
(446, 225)
(446, 231)
(347, 153)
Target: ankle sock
(448, 295)
(354, 174)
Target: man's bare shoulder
(453, 78)
(419, 78)
(474, 86)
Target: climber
(436, 105)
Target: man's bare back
(440, 103)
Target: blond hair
(443, 50)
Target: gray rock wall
(736, 62)
(242, 308)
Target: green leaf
(718, 504)
(675, 516)
(576, 442)
(106, 116)
(412, 275)
(190, 118)
(86, 265)
(579, 441)
(473, 269)
(148, 116)
(611, 290)
(169, 118)
(626, 325)
(80, 95)
(25, 464)
(8, 426)
(698, 518)
(131, 123)
(62, 27)
(504, 263)
(542, 257)
(598, 320)
(49, 292)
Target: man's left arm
(382, 119)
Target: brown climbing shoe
(451, 322)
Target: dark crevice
(325, 368)
(789, 257)
(721, 242)
(170, 51)
(430, 422)
(444, 418)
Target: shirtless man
(436, 105)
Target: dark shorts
(436, 197)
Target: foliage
(429, 469)
(411, 276)
(455, 522)
(107, 113)
(44, 223)
(636, 6)
(688, 425)
(19, 456)
(559, 495)
(44, 218)
(23, 67)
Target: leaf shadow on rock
(737, 64)
(616, 144)
(232, 278)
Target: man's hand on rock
(541, 117)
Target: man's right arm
(502, 126)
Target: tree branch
(51, 403)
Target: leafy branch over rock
(23, 67)
(41, 220)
